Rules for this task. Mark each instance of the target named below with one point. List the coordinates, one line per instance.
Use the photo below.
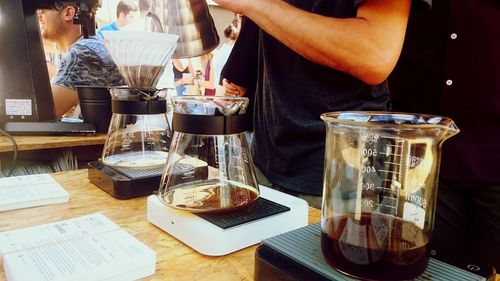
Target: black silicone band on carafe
(139, 107)
(208, 125)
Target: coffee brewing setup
(136, 146)
(381, 172)
(380, 188)
(209, 197)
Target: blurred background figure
(85, 61)
(183, 75)
(127, 11)
(222, 54)
(148, 20)
(205, 79)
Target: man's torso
(87, 63)
(291, 95)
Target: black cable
(14, 158)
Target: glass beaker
(380, 189)
(209, 167)
(139, 133)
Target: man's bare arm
(366, 46)
(64, 99)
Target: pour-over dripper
(141, 56)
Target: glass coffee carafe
(380, 188)
(209, 167)
(139, 133)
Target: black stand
(297, 255)
(124, 184)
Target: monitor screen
(25, 92)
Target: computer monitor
(25, 92)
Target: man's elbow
(377, 69)
(375, 76)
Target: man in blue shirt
(126, 12)
(85, 61)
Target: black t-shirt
(291, 94)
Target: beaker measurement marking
(395, 145)
(370, 186)
(368, 169)
(393, 198)
(393, 163)
(370, 152)
(393, 172)
(388, 180)
(383, 205)
(370, 137)
(384, 188)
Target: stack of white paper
(86, 248)
(30, 191)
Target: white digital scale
(209, 239)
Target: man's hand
(233, 89)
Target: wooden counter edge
(25, 143)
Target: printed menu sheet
(91, 247)
(30, 191)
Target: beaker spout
(448, 126)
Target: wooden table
(175, 261)
(45, 148)
(25, 143)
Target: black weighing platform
(125, 183)
(297, 255)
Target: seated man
(126, 12)
(85, 62)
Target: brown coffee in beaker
(375, 247)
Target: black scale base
(297, 255)
(124, 183)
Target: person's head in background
(145, 6)
(56, 24)
(232, 31)
(126, 12)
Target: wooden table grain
(175, 261)
(44, 149)
(25, 143)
